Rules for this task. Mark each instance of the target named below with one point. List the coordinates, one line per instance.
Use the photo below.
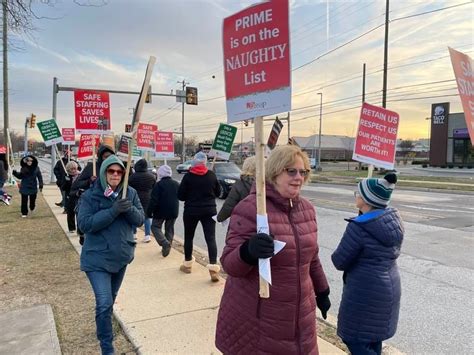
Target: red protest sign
(3, 149)
(69, 136)
(164, 145)
(256, 50)
(92, 110)
(463, 70)
(146, 136)
(376, 138)
(85, 146)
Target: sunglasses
(293, 171)
(115, 171)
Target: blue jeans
(105, 286)
(147, 225)
(374, 348)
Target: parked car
(184, 167)
(227, 174)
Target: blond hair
(249, 167)
(283, 157)
(70, 165)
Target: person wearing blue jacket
(107, 221)
(30, 175)
(368, 254)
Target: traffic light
(128, 128)
(32, 121)
(191, 95)
(148, 96)
(246, 123)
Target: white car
(184, 167)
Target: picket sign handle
(264, 287)
(94, 168)
(60, 159)
(370, 170)
(136, 120)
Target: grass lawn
(38, 265)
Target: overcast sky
(108, 47)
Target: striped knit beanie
(377, 192)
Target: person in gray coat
(240, 189)
(107, 221)
(368, 254)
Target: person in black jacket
(72, 169)
(198, 190)
(143, 181)
(59, 173)
(164, 208)
(31, 177)
(4, 197)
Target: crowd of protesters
(284, 323)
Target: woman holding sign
(285, 322)
(107, 222)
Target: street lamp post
(320, 128)
(429, 138)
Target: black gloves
(259, 246)
(323, 302)
(122, 205)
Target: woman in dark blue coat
(107, 221)
(30, 175)
(367, 254)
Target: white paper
(224, 223)
(264, 268)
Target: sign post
(256, 48)
(376, 138)
(223, 142)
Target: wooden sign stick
(94, 168)
(60, 159)
(264, 289)
(136, 120)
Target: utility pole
(385, 57)
(363, 84)
(25, 146)
(183, 146)
(320, 130)
(53, 151)
(6, 122)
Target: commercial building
(449, 138)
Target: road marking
(437, 209)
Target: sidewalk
(161, 309)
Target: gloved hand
(323, 302)
(122, 205)
(258, 246)
(79, 192)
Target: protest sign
(86, 148)
(108, 139)
(164, 145)
(69, 136)
(223, 142)
(376, 138)
(256, 46)
(3, 149)
(274, 134)
(92, 110)
(122, 151)
(146, 136)
(50, 132)
(463, 71)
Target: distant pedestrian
(107, 221)
(240, 189)
(198, 189)
(31, 178)
(164, 208)
(60, 173)
(285, 323)
(143, 181)
(4, 197)
(72, 169)
(368, 254)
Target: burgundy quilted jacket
(285, 323)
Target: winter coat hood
(374, 221)
(102, 149)
(33, 166)
(141, 166)
(103, 171)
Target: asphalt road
(436, 264)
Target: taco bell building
(449, 138)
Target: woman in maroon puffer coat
(285, 323)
